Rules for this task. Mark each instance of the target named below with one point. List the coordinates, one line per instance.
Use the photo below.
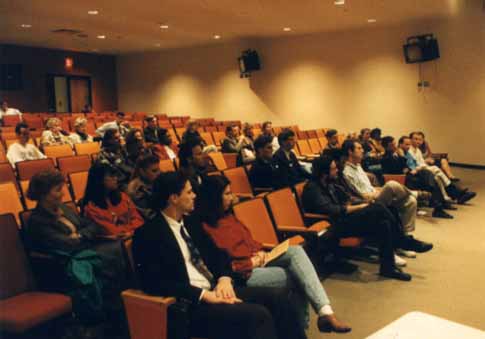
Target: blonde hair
(51, 122)
(80, 121)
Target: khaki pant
(396, 195)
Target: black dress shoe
(449, 206)
(329, 323)
(466, 197)
(440, 213)
(409, 243)
(395, 273)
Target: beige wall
(345, 80)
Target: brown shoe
(329, 323)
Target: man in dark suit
(152, 132)
(289, 170)
(175, 257)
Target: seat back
(304, 147)
(11, 120)
(299, 192)
(320, 133)
(6, 173)
(180, 131)
(341, 139)
(27, 169)
(302, 135)
(78, 181)
(314, 145)
(89, 148)
(218, 160)
(323, 142)
(400, 178)
(167, 166)
(218, 136)
(16, 275)
(76, 163)
(239, 180)
(207, 137)
(255, 216)
(284, 208)
(231, 159)
(10, 200)
(3, 155)
(9, 142)
(312, 134)
(58, 151)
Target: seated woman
(80, 135)
(323, 195)
(106, 205)
(57, 229)
(441, 162)
(293, 268)
(140, 187)
(114, 155)
(54, 135)
(135, 147)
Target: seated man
(22, 150)
(332, 149)
(174, 257)
(267, 130)
(235, 142)
(5, 110)
(323, 195)
(289, 170)
(152, 132)
(113, 154)
(264, 171)
(394, 162)
(119, 124)
(416, 161)
(392, 194)
(193, 163)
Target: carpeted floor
(448, 282)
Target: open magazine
(278, 251)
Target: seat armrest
(316, 216)
(268, 246)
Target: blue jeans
(295, 271)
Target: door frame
(51, 93)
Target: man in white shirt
(267, 129)
(175, 257)
(119, 124)
(22, 150)
(392, 194)
(5, 110)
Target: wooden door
(80, 93)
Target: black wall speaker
(421, 48)
(249, 62)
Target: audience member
(54, 135)
(22, 150)
(324, 195)
(235, 142)
(141, 186)
(415, 160)
(372, 158)
(135, 147)
(263, 172)
(394, 162)
(152, 132)
(173, 256)
(80, 134)
(289, 170)
(87, 109)
(392, 194)
(119, 124)
(193, 163)
(192, 135)
(113, 154)
(333, 148)
(5, 110)
(375, 141)
(267, 130)
(247, 152)
(106, 205)
(292, 270)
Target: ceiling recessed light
(164, 26)
(287, 29)
(101, 36)
(217, 37)
(93, 12)
(371, 21)
(26, 25)
(339, 2)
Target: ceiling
(133, 26)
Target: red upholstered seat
(27, 310)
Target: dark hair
(386, 141)
(120, 114)
(330, 133)
(42, 183)
(130, 136)
(285, 135)
(376, 133)
(424, 146)
(108, 137)
(19, 126)
(266, 123)
(95, 191)
(230, 127)
(401, 139)
(363, 131)
(150, 118)
(321, 166)
(165, 185)
(145, 161)
(132, 144)
(262, 141)
(209, 201)
(348, 145)
(186, 152)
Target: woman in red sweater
(293, 269)
(106, 205)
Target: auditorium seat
(314, 145)
(254, 215)
(323, 142)
(78, 182)
(11, 120)
(89, 148)
(30, 204)
(23, 307)
(207, 137)
(218, 160)
(27, 169)
(6, 173)
(320, 133)
(9, 136)
(167, 166)
(341, 139)
(400, 178)
(57, 151)
(75, 163)
(240, 185)
(305, 149)
(9, 142)
(231, 159)
(218, 137)
(10, 200)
